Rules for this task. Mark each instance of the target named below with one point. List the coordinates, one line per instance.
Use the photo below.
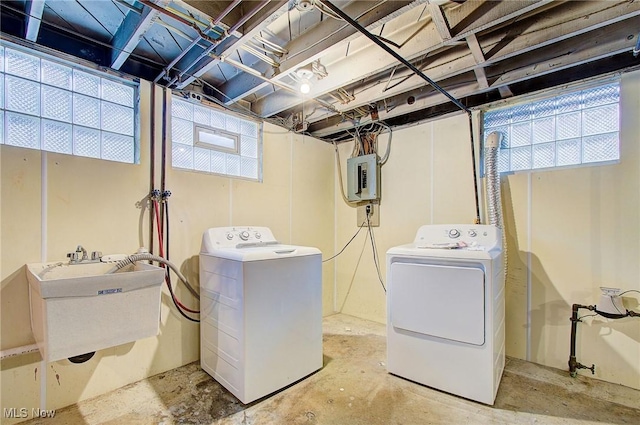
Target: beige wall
(569, 232)
(426, 180)
(97, 204)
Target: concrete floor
(354, 388)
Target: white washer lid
(265, 252)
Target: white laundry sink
(79, 308)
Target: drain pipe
(420, 74)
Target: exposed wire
(630, 290)
(340, 181)
(375, 254)
(586, 315)
(345, 247)
(385, 158)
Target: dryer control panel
(478, 236)
(236, 237)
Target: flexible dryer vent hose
(150, 257)
(494, 201)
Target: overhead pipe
(177, 18)
(376, 40)
(195, 41)
(231, 30)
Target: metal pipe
(152, 165)
(574, 365)
(163, 169)
(177, 18)
(474, 170)
(167, 68)
(200, 36)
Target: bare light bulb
(305, 87)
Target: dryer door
(440, 301)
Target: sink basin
(77, 309)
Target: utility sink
(79, 308)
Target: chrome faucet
(75, 258)
(79, 250)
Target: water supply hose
(150, 257)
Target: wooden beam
(476, 50)
(130, 32)
(376, 61)
(505, 92)
(440, 21)
(34, 9)
(556, 39)
(272, 11)
(331, 34)
(478, 56)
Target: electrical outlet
(374, 215)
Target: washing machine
(445, 310)
(260, 311)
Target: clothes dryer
(445, 310)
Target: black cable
(345, 247)
(630, 290)
(375, 254)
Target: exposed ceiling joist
(304, 49)
(34, 9)
(272, 10)
(440, 21)
(130, 32)
(546, 31)
(479, 51)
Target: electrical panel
(363, 178)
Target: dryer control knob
(454, 233)
(229, 236)
(472, 233)
(258, 235)
(244, 235)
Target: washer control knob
(472, 233)
(258, 235)
(454, 233)
(244, 235)
(229, 236)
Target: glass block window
(571, 129)
(48, 104)
(214, 141)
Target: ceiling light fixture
(303, 77)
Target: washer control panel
(458, 236)
(236, 237)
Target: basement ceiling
(252, 56)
